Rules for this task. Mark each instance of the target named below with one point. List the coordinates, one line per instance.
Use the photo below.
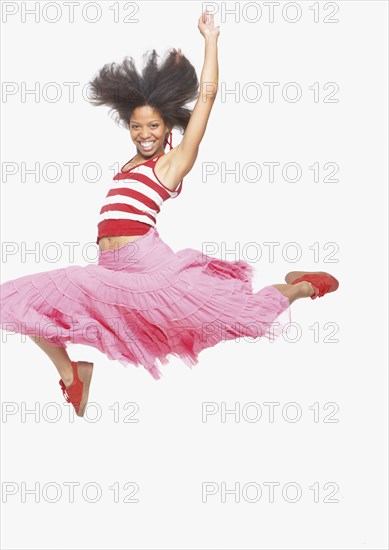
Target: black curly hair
(167, 88)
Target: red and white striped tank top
(132, 204)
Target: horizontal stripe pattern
(144, 191)
(134, 200)
(130, 202)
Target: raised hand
(206, 25)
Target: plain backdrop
(143, 456)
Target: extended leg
(293, 292)
(59, 357)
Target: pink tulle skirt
(142, 302)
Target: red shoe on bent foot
(321, 281)
(78, 391)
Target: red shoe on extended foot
(321, 281)
(78, 391)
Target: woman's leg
(59, 357)
(304, 289)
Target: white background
(170, 452)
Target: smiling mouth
(147, 145)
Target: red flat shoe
(78, 391)
(321, 281)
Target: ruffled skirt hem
(157, 304)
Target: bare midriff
(106, 243)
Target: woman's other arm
(186, 152)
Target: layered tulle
(143, 302)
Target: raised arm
(186, 152)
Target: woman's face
(148, 131)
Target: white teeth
(147, 144)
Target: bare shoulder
(170, 169)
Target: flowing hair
(167, 88)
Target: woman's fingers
(206, 24)
(207, 17)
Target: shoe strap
(323, 287)
(75, 380)
(320, 285)
(64, 391)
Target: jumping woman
(142, 301)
